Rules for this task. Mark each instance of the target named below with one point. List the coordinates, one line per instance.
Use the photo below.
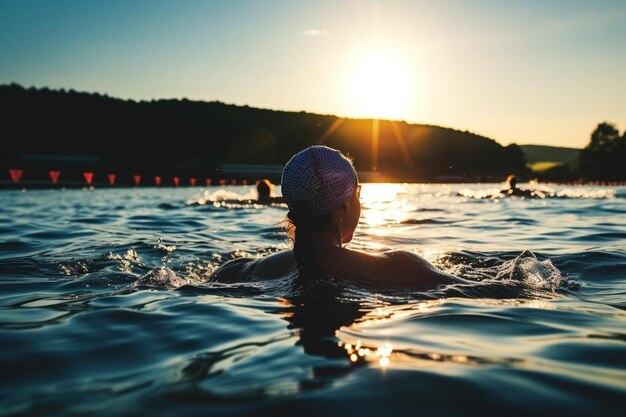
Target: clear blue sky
(541, 72)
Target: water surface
(106, 307)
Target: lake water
(106, 307)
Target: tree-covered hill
(542, 153)
(184, 137)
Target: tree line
(183, 137)
(604, 158)
(601, 160)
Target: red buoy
(16, 174)
(157, 181)
(137, 179)
(176, 181)
(54, 176)
(111, 178)
(208, 182)
(192, 181)
(88, 177)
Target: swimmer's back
(388, 269)
(394, 268)
(276, 265)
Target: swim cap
(319, 176)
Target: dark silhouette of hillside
(191, 138)
(601, 160)
(544, 153)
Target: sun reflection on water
(384, 204)
(356, 352)
(381, 193)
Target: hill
(43, 129)
(541, 153)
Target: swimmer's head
(320, 178)
(511, 181)
(264, 188)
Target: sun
(378, 87)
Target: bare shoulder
(399, 267)
(402, 257)
(276, 265)
(272, 266)
(392, 258)
(233, 270)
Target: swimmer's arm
(232, 271)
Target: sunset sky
(541, 72)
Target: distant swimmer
(512, 189)
(264, 193)
(264, 197)
(322, 191)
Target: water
(106, 307)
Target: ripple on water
(106, 307)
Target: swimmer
(264, 191)
(512, 189)
(321, 189)
(264, 197)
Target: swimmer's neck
(325, 240)
(332, 257)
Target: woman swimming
(513, 191)
(321, 189)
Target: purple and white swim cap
(319, 176)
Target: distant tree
(603, 158)
(515, 159)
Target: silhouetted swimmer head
(321, 189)
(264, 189)
(513, 191)
(512, 182)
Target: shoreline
(7, 185)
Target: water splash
(75, 268)
(526, 268)
(220, 196)
(127, 260)
(496, 276)
(161, 278)
(160, 245)
(540, 191)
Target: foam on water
(542, 275)
(222, 195)
(541, 191)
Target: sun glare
(378, 87)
